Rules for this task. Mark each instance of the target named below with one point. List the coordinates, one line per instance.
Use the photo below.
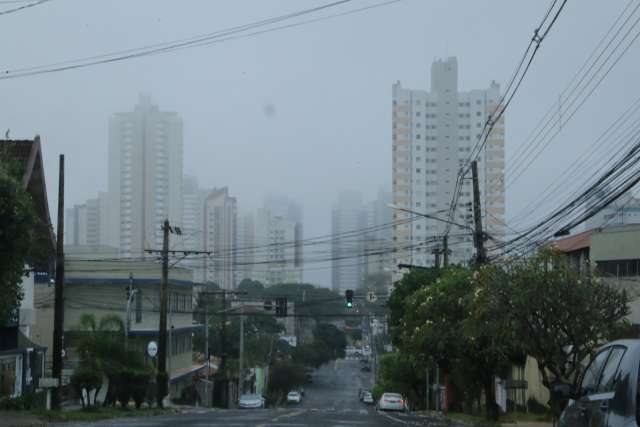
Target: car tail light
(401, 402)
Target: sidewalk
(19, 419)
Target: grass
(98, 413)
(508, 418)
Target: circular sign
(371, 297)
(152, 349)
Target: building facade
(193, 199)
(276, 248)
(348, 218)
(220, 232)
(433, 134)
(145, 176)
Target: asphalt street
(331, 400)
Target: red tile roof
(574, 243)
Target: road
(332, 400)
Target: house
(22, 361)
(100, 286)
(614, 253)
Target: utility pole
(127, 323)
(162, 378)
(445, 250)
(240, 382)
(206, 351)
(477, 216)
(58, 311)
(436, 252)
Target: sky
(303, 112)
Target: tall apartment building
(348, 217)
(145, 175)
(86, 224)
(433, 133)
(377, 241)
(246, 242)
(220, 222)
(193, 199)
(276, 248)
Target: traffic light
(348, 298)
(281, 307)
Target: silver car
(251, 401)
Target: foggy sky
(325, 86)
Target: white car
(294, 397)
(367, 398)
(251, 401)
(391, 402)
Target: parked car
(294, 397)
(366, 368)
(251, 401)
(607, 395)
(368, 398)
(308, 378)
(391, 402)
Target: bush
(139, 385)
(11, 403)
(86, 377)
(123, 389)
(377, 391)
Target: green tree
(283, 377)
(402, 373)
(563, 316)
(18, 233)
(253, 287)
(333, 338)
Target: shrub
(86, 378)
(139, 382)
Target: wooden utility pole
(58, 310)
(162, 379)
(477, 216)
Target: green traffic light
(349, 304)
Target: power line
(19, 8)
(233, 33)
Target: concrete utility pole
(445, 250)
(240, 382)
(436, 252)
(162, 379)
(206, 352)
(477, 216)
(127, 323)
(58, 310)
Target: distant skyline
(304, 112)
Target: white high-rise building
(433, 134)
(220, 233)
(277, 244)
(145, 175)
(348, 218)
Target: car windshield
(224, 201)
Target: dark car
(608, 392)
(366, 368)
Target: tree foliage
(476, 323)
(18, 234)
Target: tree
(402, 373)
(333, 338)
(564, 315)
(18, 229)
(253, 287)
(283, 377)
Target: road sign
(48, 382)
(152, 349)
(371, 297)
